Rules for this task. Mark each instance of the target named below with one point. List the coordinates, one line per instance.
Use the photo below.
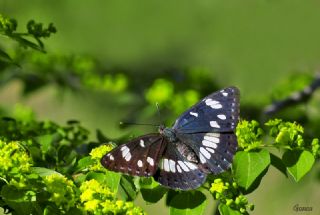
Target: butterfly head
(168, 133)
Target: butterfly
(201, 141)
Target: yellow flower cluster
(13, 158)
(96, 155)
(62, 190)
(98, 199)
(228, 194)
(218, 186)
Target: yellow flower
(91, 205)
(218, 186)
(92, 184)
(119, 204)
(87, 195)
(98, 152)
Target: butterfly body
(168, 133)
(201, 141)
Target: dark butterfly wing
(218, 112)
(139, 157)
(215, 151)
(177, 172)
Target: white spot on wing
(211, 138)
(194, 114)
(205, 153)
(124, 148)
(209, 144)
(190, 165)
(150, 161)
(202, 159)
(142, 143)
(128, 156)
(139, 163)
(166, 165)
(183, 166)
(111, 157)
(225, 94)
(214, 124)
(210, 150)
(126, 152)
(222, 116)
(179, 168)
(213, 103)
(172, 166)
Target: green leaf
(278, 163)
(17, 199)
(5, 57)
(298, 162)
(111, 179)
(127, 189)
(188, 203)
(45, 142)
(27, 43)
(151, 191)
(83, 163)
(153, 195)
(43, 171)
(248, 166)
(226, 210)
(51, 210)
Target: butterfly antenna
(134, 123)
(159, 114)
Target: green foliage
(249, 165)
(188, 203)
(227, 191)
(249, 135)
(55, 169)
(298, 162)
(35, 31)
(49, 192)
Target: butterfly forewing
(138, 157)
(218, 112)
(176, 172)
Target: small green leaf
(111, 179)
(19, 200)
(43, 171)
(5, 57)
(153, 195)
(45, 142)
(84, 163)
(27, 43)
(298, 163)
(277, 163)
(127, 189)
(248, 166)
(51, 210)
(188, 203)
(226, 210)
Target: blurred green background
(253, 44)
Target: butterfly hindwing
(215, 151)
(218, 112)
(139, 157)
(177, 172)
